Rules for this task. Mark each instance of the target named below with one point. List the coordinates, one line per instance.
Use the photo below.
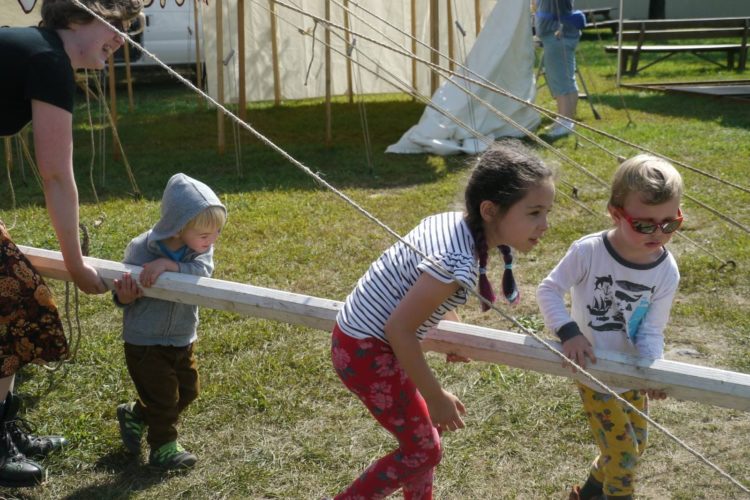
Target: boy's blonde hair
(655, 180)
(213, 217)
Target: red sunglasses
(648, 226)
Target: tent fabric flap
(503, 54)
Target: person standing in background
(558, 27)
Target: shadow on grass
(166, 135)
(727, 112)
(126, 476)
(19, 494)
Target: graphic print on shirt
(616, 304)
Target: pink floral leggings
(371, 371)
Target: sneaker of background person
(560, 129)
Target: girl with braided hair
(375, 343)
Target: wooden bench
(600, 17)
(669, 30)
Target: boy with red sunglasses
(622, 282)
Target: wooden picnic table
(600, 17)
(670, 34)
(598, 14)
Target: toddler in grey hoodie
(159, 334)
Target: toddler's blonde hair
(211, 218)
(655, 180)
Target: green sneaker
(172, 456)
(131, 427)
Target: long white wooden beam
(680, 380)
(205, 292)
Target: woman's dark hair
(503, 175)
(60, 14)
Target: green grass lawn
(273, 421)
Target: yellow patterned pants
(621, 435)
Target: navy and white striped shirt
(446, 239)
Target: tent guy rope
(371, 217)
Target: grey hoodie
(148, 321)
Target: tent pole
(8, 154)
(619, 46)
(275, 55)
(220, 75)
(198, 63)
(450, 34)
(435, 44)
(128, 76)
(414, 46)
(347, 38)
(241, 47)
(113, 104)
(477, 16)
(329, 138)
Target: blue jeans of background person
(560, 64)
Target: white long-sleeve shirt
(618, 305)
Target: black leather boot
(15, 469)
(21, 432)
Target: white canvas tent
(299, 61)
(503, 54)
(297, 52)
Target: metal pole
(619, 46)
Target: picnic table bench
(667, 31)
(600, 17)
